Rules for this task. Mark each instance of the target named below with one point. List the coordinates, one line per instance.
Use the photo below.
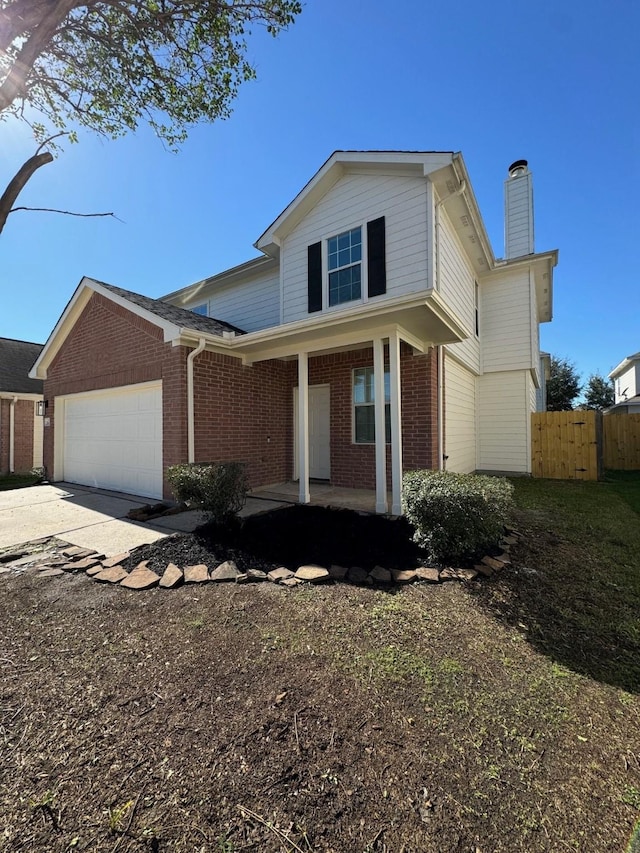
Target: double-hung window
(344, 264)
(364, 418)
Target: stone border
(61, 559)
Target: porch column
(303, 427)
(379, 406)
(396, 424)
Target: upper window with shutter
(348, 266)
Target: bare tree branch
(65, 212)
(17, 184)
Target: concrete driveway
(91, 518)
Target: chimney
(518, 211)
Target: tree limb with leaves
(599, 393)
(110, 65)
(563, 385)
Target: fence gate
(566, 445)
(622, 442)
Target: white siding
(460, 417)
(355, 200)
(457, 288)
(626, 385)
(506, 325)
(518, 216)
(251, 305)
(503, 401)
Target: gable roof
(173, 321)
(340, 162)
(624, 365)
(179, 316)
(16, 360)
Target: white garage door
(113, 439)
(460, 417)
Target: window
(364, 418)
(344, 257)
(355, 266)
(201, 309)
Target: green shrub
(219, 489)
(455, 516)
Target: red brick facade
(241, 412)
(23, 425)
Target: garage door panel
(113, 440)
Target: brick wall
(241, 412)
(353, 465)
(108, 347)
(23, 413)
(244, 413)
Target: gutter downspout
(440, 394)
(190, 401)
(12, 433)
(440, 397)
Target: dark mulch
(291, 537)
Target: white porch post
(303, 427)
(379, 406)
(396, 425)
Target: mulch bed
(291, 537)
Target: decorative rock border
(73, 559)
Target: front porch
(321, 494)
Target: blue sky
(554, 83)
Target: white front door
(319, 432)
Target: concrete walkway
(91, 518)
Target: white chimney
(518, 211)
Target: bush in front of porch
(455, 516)
(219, 489)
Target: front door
(319, 432)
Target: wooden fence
(566, 445)
(621, 440)
(580, 445)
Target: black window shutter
(314, 271)
(376, 257)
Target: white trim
(380, 407)
(12, 434)
(396, 424)
(59, 415)
(303, 427)
(364, 269)
(191, 453)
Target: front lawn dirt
(428, 719)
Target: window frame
(364, 270)
(371, 404)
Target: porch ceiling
(422, 322)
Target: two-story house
(626, 381)
(375, 333)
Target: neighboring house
(20, 407)
(626, 380)
(376, 333)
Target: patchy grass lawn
(500, 716)
(18, 481)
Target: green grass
(18, 481)
(581, 603)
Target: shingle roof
(180, 316)
(16, 360)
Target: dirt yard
(426, 719)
